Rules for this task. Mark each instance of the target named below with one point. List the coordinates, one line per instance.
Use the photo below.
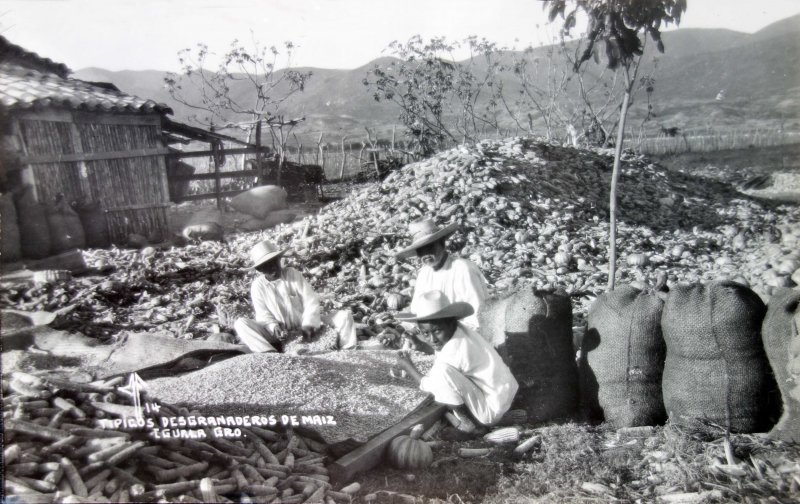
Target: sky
(346, 34)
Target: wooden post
(375, 160)
(259, 168)
(341, 166)
(217, 147)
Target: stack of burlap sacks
(693, 354)
(34, 230)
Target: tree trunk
(612, 207)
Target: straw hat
(423, 233)
(264, 251)
(435, 305)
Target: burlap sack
(537, 346)
(95, 225)
(260, 201)
(10, 247)
(66, 230)
(781, 333)
(34, 233)
(623, 359)
(492, 320)
(716, 368)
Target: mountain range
(759, 73)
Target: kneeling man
(467, 371)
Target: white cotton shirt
(289, 301)
(480, 363)
(459, 279)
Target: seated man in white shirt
(285, 304)
(467, 371)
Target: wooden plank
(212, 176)
(138, 207)
(28, 177)
(370, 454)
(50, 114)
(195, 197)
(54, 115)
(93, 156)
(217, 179)
(208, 153)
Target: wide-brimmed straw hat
(423, 233)
(435, 305)
(264, 251)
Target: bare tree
(245, 89)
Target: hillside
(759, 72)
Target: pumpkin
(410, 452)
(562, 259)
(637, 260)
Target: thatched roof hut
(87, 141)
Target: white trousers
(259, 339)
(449, 386)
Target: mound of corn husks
(536, 213)
(531, 213)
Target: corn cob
(502, 436)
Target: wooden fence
(210, 171)
(345, 160)
(710, 140)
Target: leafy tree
(440, 101)
(246, 89)
(617, 25)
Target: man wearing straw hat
(467, 371)
(460, 279)
(285, 304)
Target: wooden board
(370, 453)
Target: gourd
(410, 452)
(637, 260)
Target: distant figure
(720, 95)
(573, 135)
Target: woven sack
(204, 225)
(623, 358)
(10, 247)
(716, 368)
(95, 225)
(66, 230)
(492, 319)
(781, 333)
(537, 347)
(34, 233)
(260, 201)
